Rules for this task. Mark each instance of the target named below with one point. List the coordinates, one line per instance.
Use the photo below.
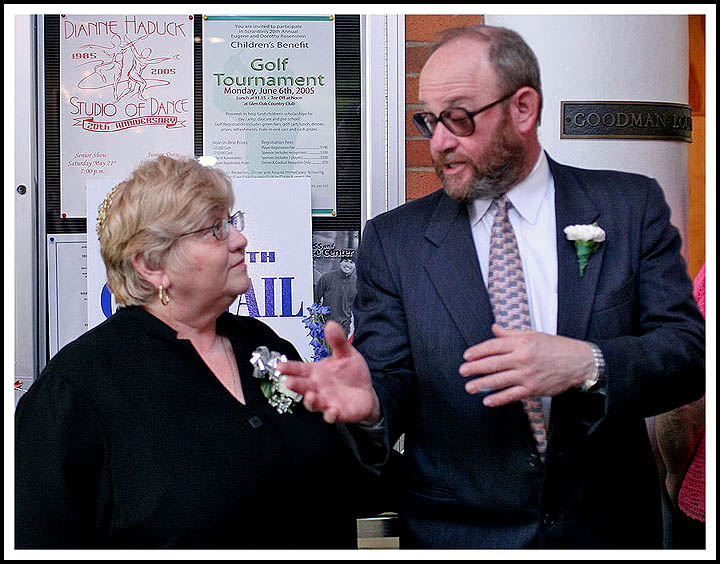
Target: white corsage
(587, 240)
(273, 385)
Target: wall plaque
(625, 120)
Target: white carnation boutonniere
(587, 240)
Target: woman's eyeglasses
(221, 228)
(459, 121)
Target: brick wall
(420, 32)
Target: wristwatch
(598, 377)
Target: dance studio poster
(126, 95)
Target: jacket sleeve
(659, 364)
(383, 339)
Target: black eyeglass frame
(424, 127)
(237, 220)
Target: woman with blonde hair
(150, 431)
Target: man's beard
(500, 170)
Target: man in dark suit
(603, 349)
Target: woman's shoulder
(122, 335)
(124, 326)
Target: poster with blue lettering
(278, 227)
(269, 99)
(126, 95)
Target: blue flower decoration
(315, 323)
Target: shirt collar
(526, 197)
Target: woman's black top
(128, 440)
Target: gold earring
(163, 296)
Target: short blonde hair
(162, 199)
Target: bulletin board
(347, 150)
(348, 125)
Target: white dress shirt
(532, 216)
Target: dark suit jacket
(472, 476)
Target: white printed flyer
(269, 99)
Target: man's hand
(339, 386)
(525, 363)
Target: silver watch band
(598, 375)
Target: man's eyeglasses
(221, 228)
(459, 121)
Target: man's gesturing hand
(525, 363)
(339, 386)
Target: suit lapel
(575, 293)
(455, 272)
(453, 268)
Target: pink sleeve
(699, 289)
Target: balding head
(513, 61)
